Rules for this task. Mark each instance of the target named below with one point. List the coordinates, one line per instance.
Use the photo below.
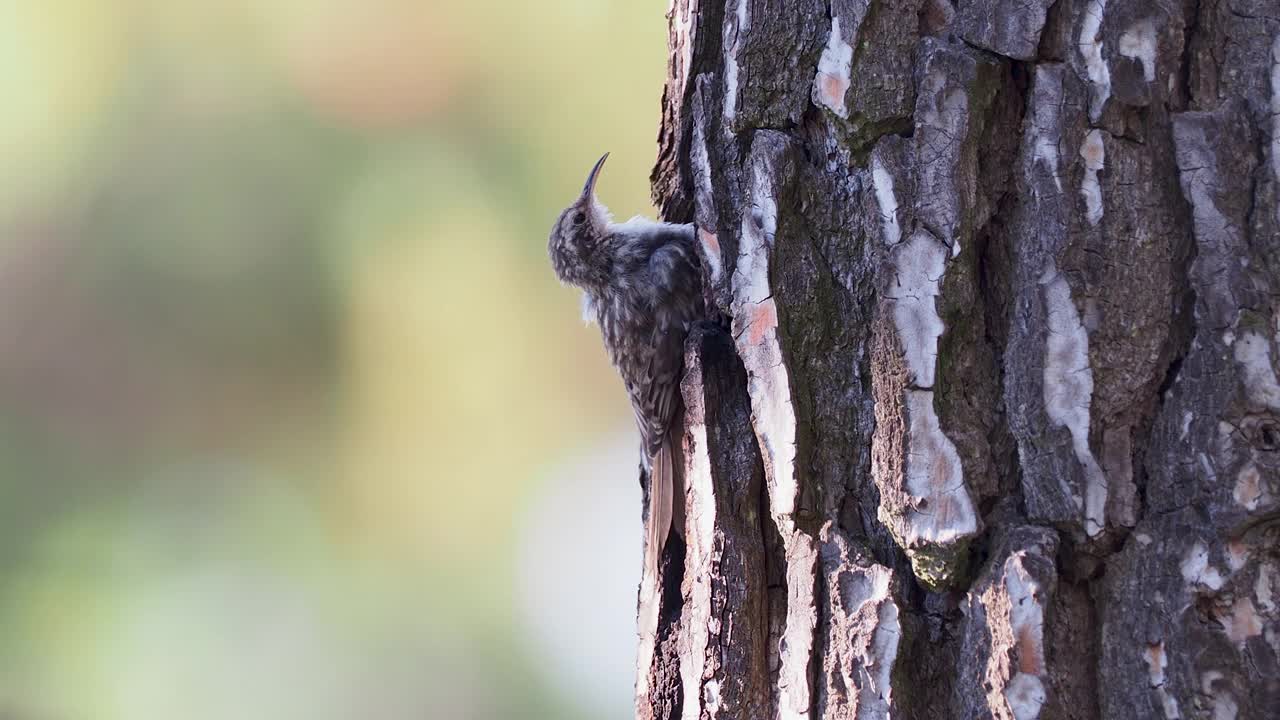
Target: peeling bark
(991, 427)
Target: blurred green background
(295, 421)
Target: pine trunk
(994, 426)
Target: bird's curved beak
(589, 189)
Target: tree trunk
(997, 427)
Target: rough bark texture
(995, 428)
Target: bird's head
(578, 236)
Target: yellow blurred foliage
(60, 60)
(435, 362)
(286, 372)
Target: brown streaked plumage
(642, 283)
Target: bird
(642, 284)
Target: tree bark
(995, 428)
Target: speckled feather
(641, 282)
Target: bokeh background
(295, 421)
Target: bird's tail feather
(666, 493)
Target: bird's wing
(655, 392)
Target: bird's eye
(579, 218)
